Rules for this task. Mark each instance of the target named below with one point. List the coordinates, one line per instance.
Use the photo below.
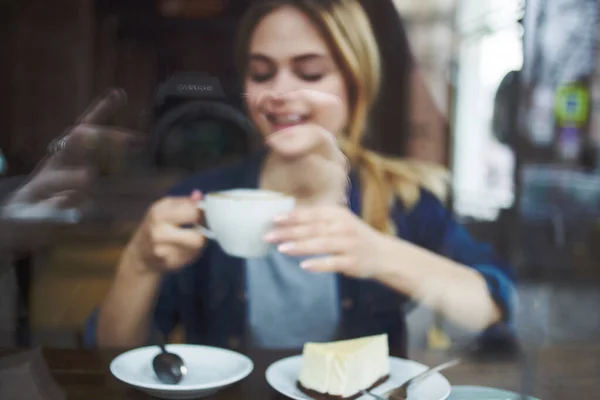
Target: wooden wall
(58, 55)
(46, 73)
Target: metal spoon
(168, 367)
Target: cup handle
(205, 231)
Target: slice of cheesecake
(340, 370)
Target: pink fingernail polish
(282, 218)
(306, 265)
(285, 247)
(271, 237)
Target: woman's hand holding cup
(161, 243)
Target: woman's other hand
(161, 243)
(335, 239)
(305, 160)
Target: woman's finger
(328, 109)
(315, 246)
(173, 256)
(180, 237)
(336, 263)
(305, 139)
(177, 211)
(294, 142)
(309, 215)
(304, 231)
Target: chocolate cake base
(322, 396)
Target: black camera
(200, 123)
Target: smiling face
(288, 58)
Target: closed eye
(259, 78)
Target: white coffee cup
(239, 219)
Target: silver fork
(401, 392)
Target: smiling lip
(283, 121)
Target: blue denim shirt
(208, 296)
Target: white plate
(209, 370)
(482, 393)
(283, 374)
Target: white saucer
(209, 370)
(483, 393)
(283, 374)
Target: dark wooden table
(563, 372)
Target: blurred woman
(311, 71)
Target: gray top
(288, 306)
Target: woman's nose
(283, 84)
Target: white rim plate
(208, 368)
(483, 393)
(282, 376)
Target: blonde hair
(346, 28)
